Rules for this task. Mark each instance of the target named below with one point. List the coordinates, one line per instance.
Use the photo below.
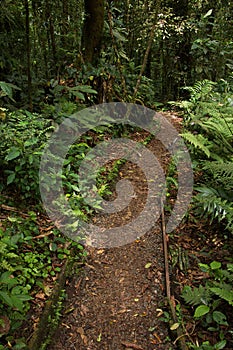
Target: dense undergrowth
(32, 251)
(208, 131)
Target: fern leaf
(222, 174)
(196, 296)
(224, 294)
(198, 141)
(210, 204)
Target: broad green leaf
(13, 153)
(6, 298)
(220, 345)
(6, 279)
(79, 95)
(215, 265)
(85, 88)
(24, 297)
(10, 178)
(16, 302)
(201, 311)
(203, 267)
(220, 318)
(7, 89)
(52, 247)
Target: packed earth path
(118, 298)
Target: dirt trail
(115, 302)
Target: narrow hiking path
(116, 300)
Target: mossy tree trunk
(93, 29)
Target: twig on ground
(131, 345)
(15, 210)
(171, 300)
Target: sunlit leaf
(201, 311)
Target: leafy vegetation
(208, 132)
(209, 122)
(145, 52)
(32, 255)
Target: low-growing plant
(213, 302)
(26, 263)
(23, 136)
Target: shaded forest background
(104, 43)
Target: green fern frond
(223, 293)
(222, 174)
(220, 169)
(200, 89)
(198, 141)
(196, 296)
(208, 203)
(218, 127)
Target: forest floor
(116, 301)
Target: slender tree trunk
(28, 50)
(146, 55)
(93, 29)
(51, 33)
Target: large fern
(224, 293)
(196, 296)
(222, 174)
(209, 203)
(200, 90)
(209, 131)
(198, 141)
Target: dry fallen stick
(131, 345)
(43, 235)
(180, 336)
(15, 210)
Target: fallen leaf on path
(40, 296)
(157, 337)
(174, 326)
(83, 310)
(148, 265)
(80, 330)
(160, 312)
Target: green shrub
(23, 136)
(213, 302)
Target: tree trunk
(28, 49)
(93, 29)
